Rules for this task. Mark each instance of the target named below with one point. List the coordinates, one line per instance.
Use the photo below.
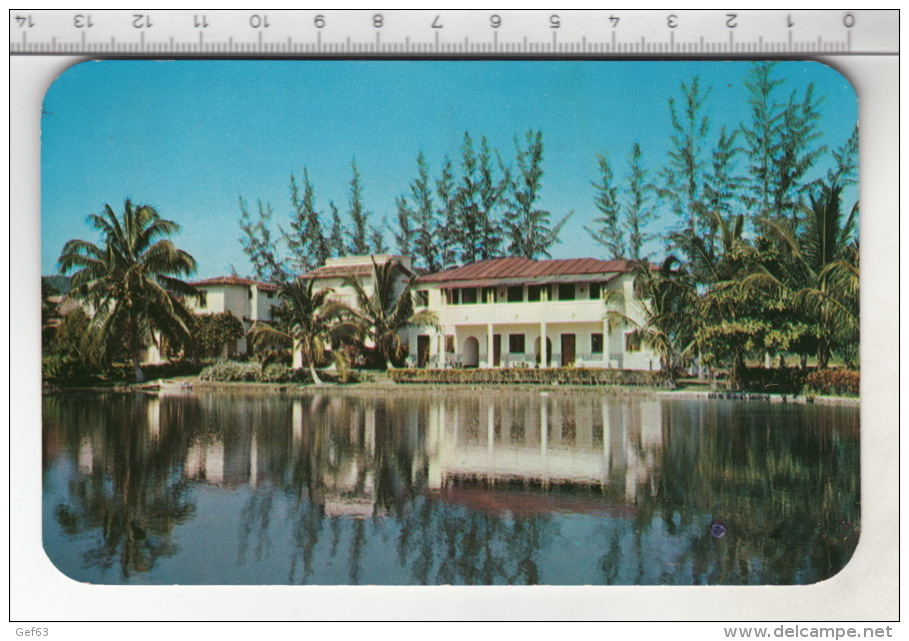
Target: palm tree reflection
(463, 488)
(129, 496)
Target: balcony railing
(524, 312)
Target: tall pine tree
(639, 209)
(780, 143)
(404, 236)
(427, 241)
(468, 231)
(359, 232)
(260, 246)
(446, 191)
(492, 191)
(607, 229)
(337, 243)
(683, 176)
(530, 232)
(306, 240)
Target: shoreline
(191, 385)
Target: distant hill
(60, 284)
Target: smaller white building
(333, 274)
(248, 300)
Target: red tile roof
(340, 271)
(525, 268)
(235, 281)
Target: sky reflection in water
(447, 488)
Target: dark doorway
(496, 350)
(422, 350)
(567, 350)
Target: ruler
(454, 33)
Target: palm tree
(309, 322)
(668, 299)
(389, 309)
(820, 270)
(737, 319)
(131, 283)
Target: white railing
(569, 311)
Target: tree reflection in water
(452, 488)
(129, 496)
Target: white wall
(582, 317)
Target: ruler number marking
(84, 22)
(257, 21)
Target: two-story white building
(518, 312)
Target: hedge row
(67, 371)
(560, 376)
(833, 382)
(794, 380)
(232, 371)
(787, 380)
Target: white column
(544, 355)
(489, 360)
(605, 343)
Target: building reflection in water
(531, 441)
(453, 487)
(537, 442)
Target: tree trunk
(823, 354)
(138, 374)
(737, 375)
(312, 371)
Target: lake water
(463, 488)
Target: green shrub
(211, 332)
(517, 375)
(231, 371)
(280, 373)
(125, 372)
(833, 382)
(786, 380)
(63, 367)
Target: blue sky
(191, 137)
